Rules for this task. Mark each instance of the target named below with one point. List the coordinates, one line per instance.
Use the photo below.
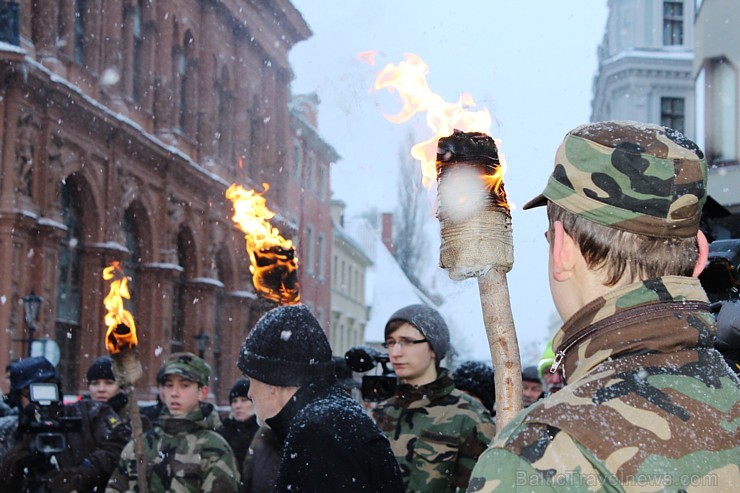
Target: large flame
(273, 262)
(121, 332)
(442, 117)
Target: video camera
(375, 388)
(47, 429)
(721, 277)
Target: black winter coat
(330, 444)
(239, 434)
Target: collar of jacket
(202, 418)
(409, 396)
(280, 423)
(658, 315)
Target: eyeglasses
(402, 343)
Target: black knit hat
(239, 389)
(476, 378)
(101, 369)
(287, 348)
(429, 322)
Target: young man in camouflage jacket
(436, 431)
(648, 405)
(184, 453)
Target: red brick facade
(120, 134)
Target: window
(673, 113)
(79, 32)
(673, 23)
(309, 250)
(310, 170)
(322, 182)
(70, 256)
(721, 112)
(320, 248)
(297, 159)
(136, 51)
(334, 271)
(182, 74)
(132, 264)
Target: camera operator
(57, 447)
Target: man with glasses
(436, 431)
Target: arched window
(69, 284)
(136, 51)
(80, 26)
(184, 255)
(132, 265)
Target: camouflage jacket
(648, 406)
(437, 433)
(184, 455)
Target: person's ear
(203, 393)
(564, 250)
(703, 257)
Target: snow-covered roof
(386, 286)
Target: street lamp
(31, 308)
(201, 341)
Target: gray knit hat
(429, 322)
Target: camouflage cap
(187, 365)
(636, 177)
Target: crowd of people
(618, 400)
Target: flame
(121, 332)
(368, 57)
(442, 117)
(273, 263)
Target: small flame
(273, 262)
(442, 117)
(368, 57)
(121, 332)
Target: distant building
(348, 271)
(308, 204)
(645, 64)
(123, 124)
(717, 73)
(388, 288)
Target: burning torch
(121, 342)
(273, 259)
(472, 208)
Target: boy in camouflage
(184, 452)
(648, 405)
(437, 432)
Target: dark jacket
(330, 444)
(262, 463)
(89, 457)
(239, 434)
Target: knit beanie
(429, 322)
(531, 374)
(101, 369)
(287, 348)
(239, 389)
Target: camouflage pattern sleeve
(123, 479)
(220, 473)
(473, 445)
(540, 459)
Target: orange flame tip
(117, 316)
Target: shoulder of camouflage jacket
(187, 462)
(437, 445)
(668, 421)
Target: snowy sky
(530, 63)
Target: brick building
(123, 123)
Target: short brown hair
(623, 253)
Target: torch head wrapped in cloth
(472, 207)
